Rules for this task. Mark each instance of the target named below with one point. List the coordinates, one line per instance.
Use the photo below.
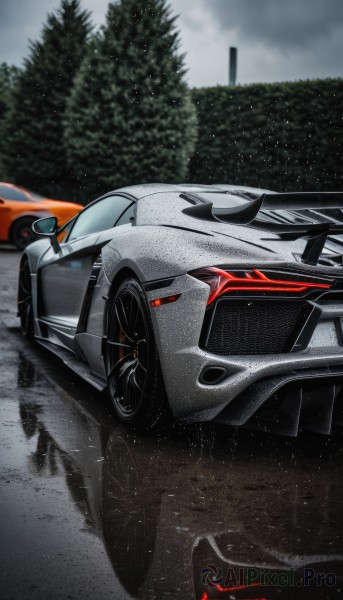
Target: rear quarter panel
(155, 252)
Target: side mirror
(2, 201)
(47, 228)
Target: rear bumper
(177, 329)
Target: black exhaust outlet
(212, 375)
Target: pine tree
(8, 79)
(130, 118)
(36, 153)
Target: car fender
(35, 252)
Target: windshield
(33, 194)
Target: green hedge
(283, 136)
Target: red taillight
(224, 282)
(165, 300)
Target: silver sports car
(203, 302)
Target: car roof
(148, 189)
(8, 184)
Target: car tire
(25, 310)
(22, 234)
(134, 374)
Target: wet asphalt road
(91, 510)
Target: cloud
(22, 20)
(283, 24)
(276, 39)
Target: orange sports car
(20, 207)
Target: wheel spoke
(126, 307)
(127, 391)
(141, 370)
(140, 375)
(131, 305)
(140, 326)
(136, 317)
(135, 388)
(122, 320)
(123, 383)
(127, 352)
(142, 366)
(134, 379)
(132, 392)
(25, 281)
(25, 300)
(24, 305)
(120, 344)
(123, 358)
(123, 372)
(143, 352)
(23, 310)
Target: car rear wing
(202, 208)
(243, 215)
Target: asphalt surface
(89, 509)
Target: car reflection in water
(179, 512)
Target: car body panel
(160, 248)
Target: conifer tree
(130, 118)
(36, 156)
(8, 78)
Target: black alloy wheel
(133, 369)
(22, 234)
(25, 300)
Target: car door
(64, 276)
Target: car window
(64, 231)
(12, 193)
(99, 216)
(127, 216)
(35, 195)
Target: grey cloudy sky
(277, 40)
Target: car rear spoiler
(243, 215)
(247, 215)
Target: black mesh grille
(256, 327)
